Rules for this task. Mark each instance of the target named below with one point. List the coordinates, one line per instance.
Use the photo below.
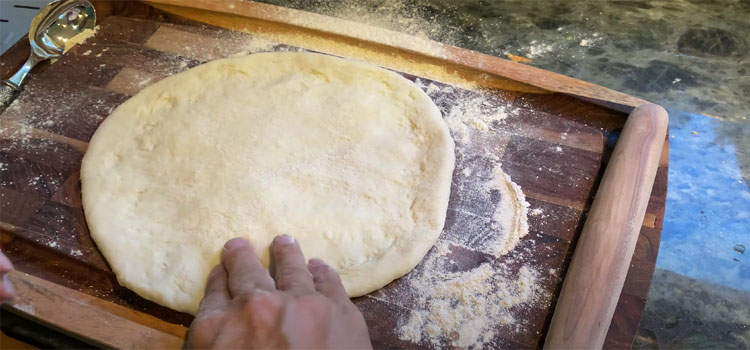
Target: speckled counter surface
(691, 56)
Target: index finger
(5, 264)
(245, 273)
(216, 294)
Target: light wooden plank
(260, 18)
(102, 322)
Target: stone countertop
(691, 56)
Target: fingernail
(315, 262)
(283, 240)
(235, 243)
(8, 287)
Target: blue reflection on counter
(707, 220)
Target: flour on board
(80, 38)
(467, 308)
(456, 306)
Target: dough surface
(352, 160)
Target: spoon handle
(10, 88)
(8, 92)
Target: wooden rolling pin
(602, 257)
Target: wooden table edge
(94, 320)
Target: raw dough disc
(353, 160)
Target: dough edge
(402, 257)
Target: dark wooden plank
(126, 29)
(625, 322)
(553, 219)
(550, 172)
(63, 107)
(638, 280)
(16, 207)
(585, 112)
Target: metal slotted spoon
(55, 24)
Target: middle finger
(289, 266)
(245, 273)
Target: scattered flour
(34, 180)
(206, 48)
(80, 38)
(510, 218)
(467, 308)
(257, 44)
(478, 112)
(455, 305)
(397, 16)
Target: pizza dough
(352, 160)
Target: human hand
(6, 288)
(301, 306)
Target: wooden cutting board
(554, 145)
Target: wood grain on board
(556, 148)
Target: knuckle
(286, 283)
(312, 299)
(229, 256)
(285, 252)
(319, 269)
(330, 274)
(327, 277)
(255, 301)
(292, 275)
(248, 298)
(280, 249)
(209, 317)
(215, 274)
(313, 302)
